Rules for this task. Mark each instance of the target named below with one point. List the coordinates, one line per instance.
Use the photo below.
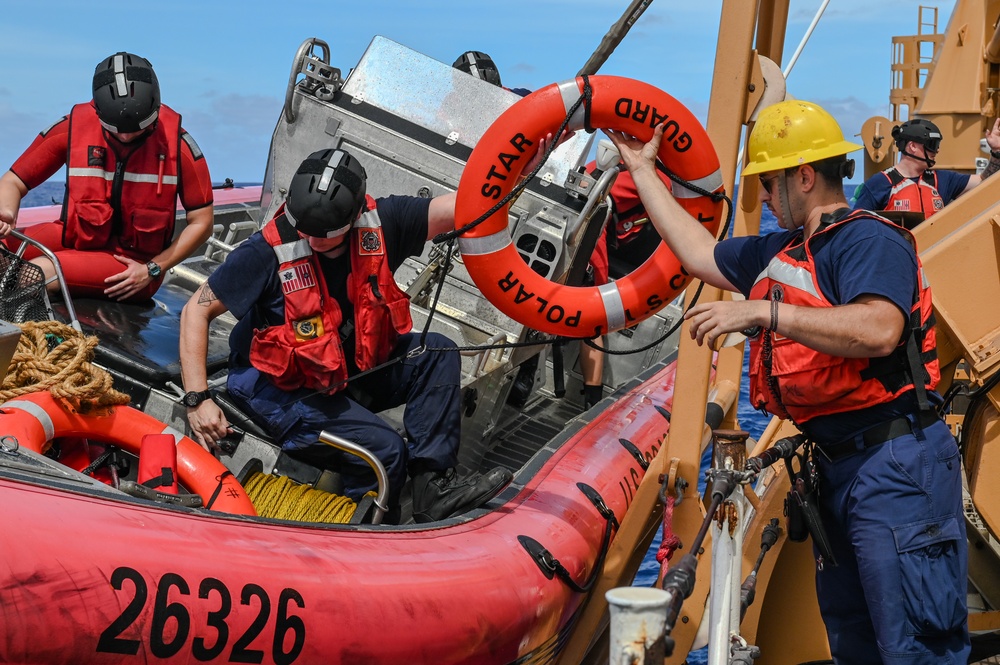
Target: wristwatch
(194, 398)
(153, 269)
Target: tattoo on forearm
(206, 296)
(991, 168)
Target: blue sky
(225, 65)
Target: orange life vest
(792, 381)
(909, 195)
(143, 187)
(306, 351)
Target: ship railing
(912, 63)
(225, 238)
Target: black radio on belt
(802, 505)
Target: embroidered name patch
(296, 278)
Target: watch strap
(195, 397)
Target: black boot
(438, 495)
(592, 395)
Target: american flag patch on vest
(296, 278)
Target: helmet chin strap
(930, 162)
(786, 209)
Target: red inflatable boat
(92, 575)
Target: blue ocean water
(46, 194)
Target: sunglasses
(766, 182)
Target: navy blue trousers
(429, 385)
(895, 519)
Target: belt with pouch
(878, 435)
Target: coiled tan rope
(282, 498)
(65, 369)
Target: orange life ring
(501, 154)
(37, 418)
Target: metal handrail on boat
(218, 248)
(382, 497)
(51, 256)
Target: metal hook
(9, 444)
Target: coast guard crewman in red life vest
(127, 160)
(912, 185)
(317, 303)
(842, 343)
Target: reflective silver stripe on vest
(140, 177)
(293, 251)
(369, 220)
(488, 245)
(900, 187)
(709, 183)
(131, 177)
(789, 275)
(38, 412)
(907, 183)
(92, 173)
(614, 309)
(570, 92)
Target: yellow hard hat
(792, 133)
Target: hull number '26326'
(171, 626)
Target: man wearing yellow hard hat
(842, 344)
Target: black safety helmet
(126, 93)
(921, 131)
(479, 65)
(326, 194)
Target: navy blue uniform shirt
(864, 257)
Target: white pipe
(805, 38)
(638, 622)
(724, 601)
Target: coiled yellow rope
(65, 370)
(282, 498)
